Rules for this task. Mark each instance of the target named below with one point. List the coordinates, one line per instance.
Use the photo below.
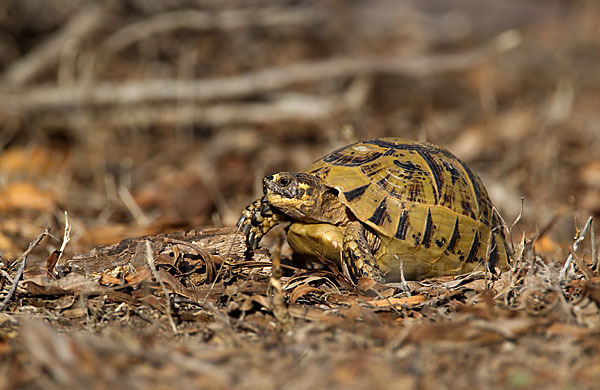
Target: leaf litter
(176, 128)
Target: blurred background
(139, 117)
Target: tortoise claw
(241, 221)
(251, 239)
(246, 229)
(256, 220)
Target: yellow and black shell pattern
(431, 212)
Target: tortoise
(386, 209)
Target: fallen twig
(23, 260)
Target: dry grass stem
(66, 237)
(132, 206)
(594, 247)
(580, 237)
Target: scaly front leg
(358, 253)
(256, 220)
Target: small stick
(22, 259)
(212, 285)
(594, 251)
(578, 240)
(488, 251)
(512, 245)
(66, 237)
(403, 279)
(150, 260)
(581, 264)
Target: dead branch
(288, 107)
(199, 20)
(47, 53)
(266, 80)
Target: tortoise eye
(284, 181)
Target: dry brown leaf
(64, 302)
(79, 284)
(470, 144)
(388, 302)
(41, 284)
(33, 161)
(175, 286)
(365, 284)
(110, 234)
(107, 279)
(51, 261)
(593, 290)
(311, 313)
(34, 288)
(23, 195)
(356, 311)
(545, 245)
(590, 174)
(560, 329)
(143, 274)
(37, 274)
(8, 247)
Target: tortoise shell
(431, 212)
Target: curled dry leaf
(64, 302)
(302, 290)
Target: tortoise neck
(330, 210)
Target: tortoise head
(296, 194)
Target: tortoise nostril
(269, 178)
